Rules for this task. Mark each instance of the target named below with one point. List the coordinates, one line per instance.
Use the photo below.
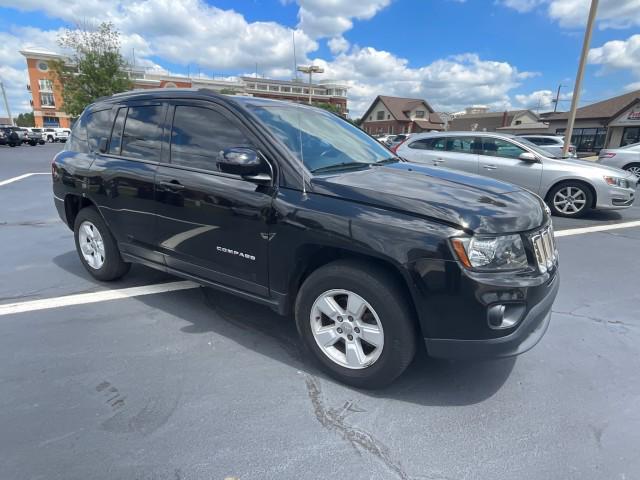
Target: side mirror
(245, 162)
(528, 157)
(102, 145)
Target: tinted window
(78, 139)
(116, 135)
(536, 140)
(199, 134)
(429, 144)
(500, 148)
(98, 126)
(460, 144)
(143, 133)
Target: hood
(592, 166)
(465, 201)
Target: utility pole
(555, 106)
(580, 75)
(6, 102)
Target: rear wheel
(96, 246)
(570, 199)
(633, 168)
(356, 321)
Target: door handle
(172, 185)
(489, 167)
(438, 161)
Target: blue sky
(454, 53)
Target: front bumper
(525, 336)
(615, 198)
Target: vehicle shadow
(426, 381)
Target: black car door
(125, 172)
(211, 224)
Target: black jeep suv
(295, 208)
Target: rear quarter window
(78, 139)
(98, 126)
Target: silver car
(570, 187)
(553, 144)
(627, 158)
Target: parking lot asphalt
(195, 384)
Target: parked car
(36, 136)
(9, 135)
(396, 140)
(293, 207)
(56, 134)
(554, 144)
(383, 138)
(627, 158)
(23, 133)
(570, 187)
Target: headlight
(491, 253)
(616, 182)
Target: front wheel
(356, 321)
(96, 247)
(570, 199)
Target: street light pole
(311, 69)
(6, 102)
(579, 76)
(555, 106)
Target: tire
(633, 168)
(50, 139)
(105, 263)
(387, 312)
(578, 203)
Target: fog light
(501, 316)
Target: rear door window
(460, 144)
(98, 126)
(500, 148)
(429, 144)
(142, 136)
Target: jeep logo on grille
(230, 251)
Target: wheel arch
(310, 258)
(73, 203)
(592, 190)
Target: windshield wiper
(388, 160)
(341, 166)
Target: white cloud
(338, 45)
(573, 13)
(541, 100)
(632, 87)
(617, 55)
(331, 18)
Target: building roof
(4, 121)
(604, 109)
(400, 106)
(487, 120)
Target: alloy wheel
(91, 245)
(635, 169)
(347, 329)
(570, 200)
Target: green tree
(95, 68)
(228, 91)
(25, 120)
(330, 107)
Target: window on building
(587, 139)
(380, 115)
(319, 92)
(43, 66)
(50, 121)
(306, 91)
(47, 100)
(297, 90)
(419, 113)
(251, 86)
(45, 85)
(262, 87)
(285, 89)
(199, 134)
(274, 88)
(142, 135)
(630, 135)
(370, 117)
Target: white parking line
(21, 177)
(84, 298)
(597, 228)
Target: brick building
(388, 115)
(48, 108)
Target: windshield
(321, 140)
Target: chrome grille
(544, 246)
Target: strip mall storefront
(625, 128)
